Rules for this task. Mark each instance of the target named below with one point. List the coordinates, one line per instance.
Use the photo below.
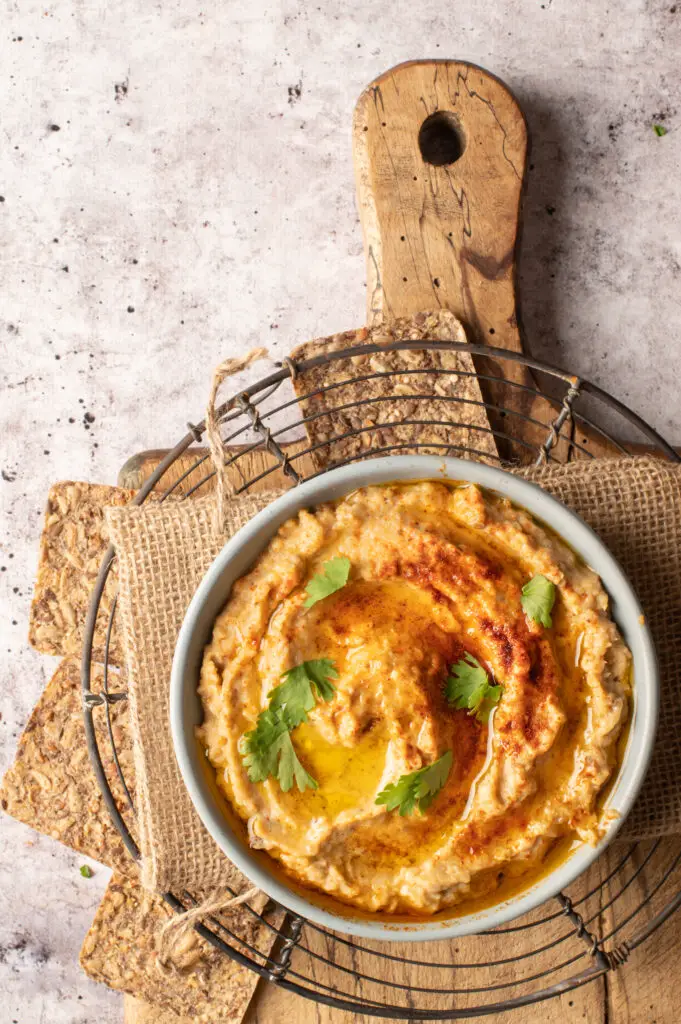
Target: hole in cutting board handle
(441, 139)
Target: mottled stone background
(177, 186)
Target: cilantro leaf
(290, 767)
(418, 788)
(333, 576)
(268, 750)
(261, 746)
(469, 687)
(86, 871)
(320, 671)
(537, 599)
(659, 130)
(293, 698)
(296, 696)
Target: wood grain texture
(139, 468)
(446, 235)
(441, 236)
(643, 991)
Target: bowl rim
(333, 484)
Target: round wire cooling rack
(536, 413)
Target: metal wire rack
(583, 933)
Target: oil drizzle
(578, 649)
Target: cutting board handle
(439, 149)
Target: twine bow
(224, 488)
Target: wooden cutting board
(440, 153)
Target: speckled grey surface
(177, 185)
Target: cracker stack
(52, 788)
(51, 785)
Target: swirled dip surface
(436, 574)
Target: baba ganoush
(414, 693)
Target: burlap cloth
(164, 550)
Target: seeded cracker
(135, 1011)
(51, 785)
(202, 983)
(460, 424)
(73, 543)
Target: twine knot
(177, 936)
(224, 489)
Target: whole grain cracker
(202, 984)
(51, 785)
(136, 1011)
(73, 543)
(451, 423)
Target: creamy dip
(436, 575)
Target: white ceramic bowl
(235, 559)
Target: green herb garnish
(469, 687)
(537, 600)
(296, 696)
(418, 788)
(333, 577)
(260, 746)
(290, 768)
(268, 749)
(86, 871)
(659, 130)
